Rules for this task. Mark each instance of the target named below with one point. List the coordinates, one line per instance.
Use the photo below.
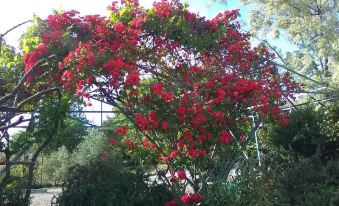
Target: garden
(201, 110)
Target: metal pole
(256, 140)
(101, 111)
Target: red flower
(79, 67)
(89, 80)
(104, 154)
(113, 64)
(181, 110)
(157, 88)
(130, 143)
(191, 198)
(225, 137)
(165, 159)
(164, 125)
(152, 116)
(181, 175)
(185, 198)
(113, 141)
(86, 95)
(119, 27)
(220, 96)
(171, 203)
(60, 65)
(196, 197)
(201, 138)
(121, 130)
(173, 179)
(173, 154)
(218, 115)
(167, 96)
(141, 121)
(199, 119)
(133, 78)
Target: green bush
(301, 135)
(107, 182)
(311, 183)
(220, 194)
(310, 131)
(282, 180)
(53, 168)
(12, 195)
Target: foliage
(10, 67)
(110, 182)
(12, 194)
(202, 78)
(220, 194)
(281, 180)
(311, 25)
(330, 122)
(301, 135)
(70, 135)
(311, 183)
(56, 165)
(308, 132)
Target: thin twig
(14, 27)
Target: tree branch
(24, 78)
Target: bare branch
(37, 95)
(15, 124)
(14, 27)
(9, 30)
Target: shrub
(311, 183)
(108, 182)
(12, 194)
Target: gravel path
(44, 198)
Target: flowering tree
(185, 84)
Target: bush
(55, 166)
(301, 135)
(108, 182)
(282, 180)
(311, 183)
(12, 195)
(308, 132)
(220, 194)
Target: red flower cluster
(225, 137)
(33, 57)
(157, 88)
(121, 130)
(181, 175)
(191, 198)
(171, 203)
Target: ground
(43, 198)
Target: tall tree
(311, 25)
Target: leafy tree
(54, 167)
(57, 164)
(311, 25)
(205, 80)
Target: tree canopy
(311, 25)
